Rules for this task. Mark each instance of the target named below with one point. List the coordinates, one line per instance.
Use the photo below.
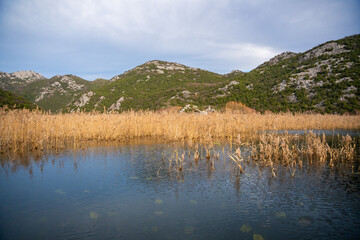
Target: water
(128, 192)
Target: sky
(103, 38)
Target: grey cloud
(228, 33)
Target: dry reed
(23, 129)
(290, 152)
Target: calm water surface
(128, 192)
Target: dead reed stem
(20, 129)
(289, 151)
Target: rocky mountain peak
(280, 57)
(28, 76)
(234, 73)
(156, 67)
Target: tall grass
(21, 129)
(289, 151)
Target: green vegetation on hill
(325, 79)
(155, 85)
(53, 94)
(14, 102)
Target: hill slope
(13, 101)
(50, 94)
(324, 79)
(153, 85)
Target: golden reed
(37, 129)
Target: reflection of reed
(270, 151)
(288, 151)
(29, 136)
(22, 129)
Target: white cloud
(241, 50)
(243, 56)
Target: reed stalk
(24, 129)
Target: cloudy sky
(103, 38)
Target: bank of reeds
(37, 130)
(288, 151)
(272, 151)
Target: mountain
(50, 94)
(12, 81)
(324, 79)
(153, 85)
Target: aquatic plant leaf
(154, 229)
(159, 213)
(257, 237)
(149, 178)
(193, 202)
(94, 215)
(60, 191)
(86, 191)
(134, 177)
(246, 228)
(158, 201)
(280, 215)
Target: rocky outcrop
(280, 57)
(71, 84)
(117, 104)
(157, 67)
(63, 85)
(182, 95)
(226, 89)
(330, 48)
(27, 76)
(84, 99)
(18, 79)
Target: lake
(132, 192)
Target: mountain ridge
(323, 79)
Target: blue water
(128, 192)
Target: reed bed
(288, 151)
(20, 129)
(275, 152)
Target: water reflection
(138, 191)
